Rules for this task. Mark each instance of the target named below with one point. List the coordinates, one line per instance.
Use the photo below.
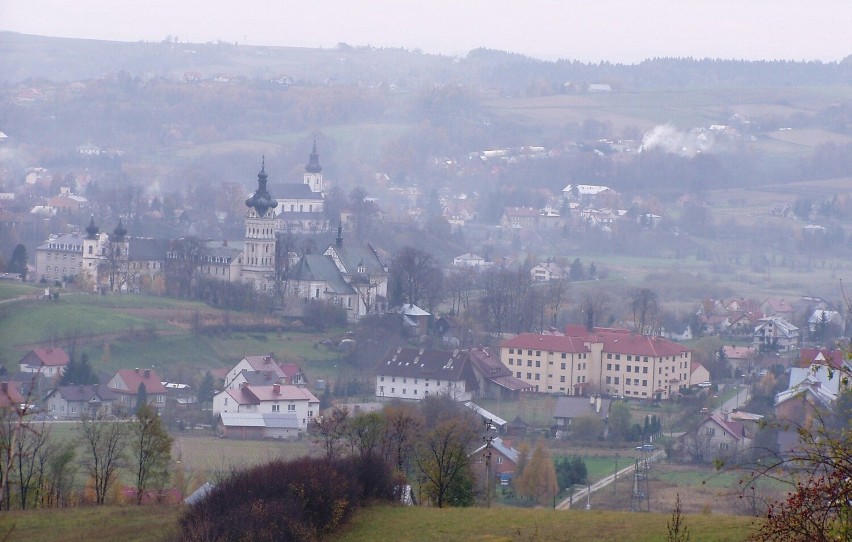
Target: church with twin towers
(345, 274)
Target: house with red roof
(50, 361)
(606, 361)
(698, 374)
(126, 383)
(10, 396)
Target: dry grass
(125, 523)
(413, 524)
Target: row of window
(562, 366)
(404, 391)
(537, 376)
(580, 355)
(627, 381)
(405, 380)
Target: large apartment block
(598, 361)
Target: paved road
(737, 401)
(579, 497)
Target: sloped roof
(86, 393)
(296, 191)
(823, 356)
(319, 268)
(488, 365)
(621, 341)
(351, 256)
(147, 249)
(132, 378)
(435, 364)
(551, 343)
(781, 327)
(278, 420)
(735, 429)
(281, 392)
(573, 407)
(10, 395)
(47, 357)
(503, 447)
(259, 378)
(495, 419)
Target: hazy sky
(589, 30)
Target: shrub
(300, 500)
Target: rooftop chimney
(276, 389)
(147, 373)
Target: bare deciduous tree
(104, 442)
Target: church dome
(261, 201)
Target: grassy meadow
(409, 524)
(126, 331)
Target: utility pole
(489, 439)
(615, 476)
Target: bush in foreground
(300, 500)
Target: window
(291, 408)
(538, 376)
(628, 368)
(644, 370)
(499, 459)
(529, 352)
(562, 379)
(564, 356)
(538, 352)
(711, 431)
(381, 379)
(609, 356)
(518, 374)
(618, 356)
(403, 391)
(160, 399)
(511, 361)
(629, 358)
(529, 376)
(562, 366)
(617, 367)
(276, 408)
(644, 382)
(529, 363)
(538, 363)
(609, 380)
(616, 380)
(609, 366)
(511, 350)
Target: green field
(410, 524)
(511, 524)
(144, 331)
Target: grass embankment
(126, 523)
(411, 524)
(144, 331)
(506, 524)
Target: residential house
(495, 380)
(269, 399)
(716, 437)
(499, 457)
(569, 408)
(414, 318)
(833, 320)
(519, 218)
(293, 374)
(411, 374)
(775, 333)
(74, 402)
(469, 259)
(11, 396)
(698, 374)
(262, 364)
(127, 382)
(50, 362)
(778, 307)
(545, 272)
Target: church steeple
(339, 240)
(261, 201)
(313, 162)
(92, 230)
(119, 232)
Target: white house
(411, 374)
(548, 271)
(261, 364)
(469, 259)
(272, 399)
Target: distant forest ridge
(25, 57)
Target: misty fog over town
(307, 273)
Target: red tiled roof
(283, 393)
(736, 429)
(622, 341)
(48, 357)
(551, 343)
(694, 366)
(133, 377)
(808, 356)
(10, 396)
